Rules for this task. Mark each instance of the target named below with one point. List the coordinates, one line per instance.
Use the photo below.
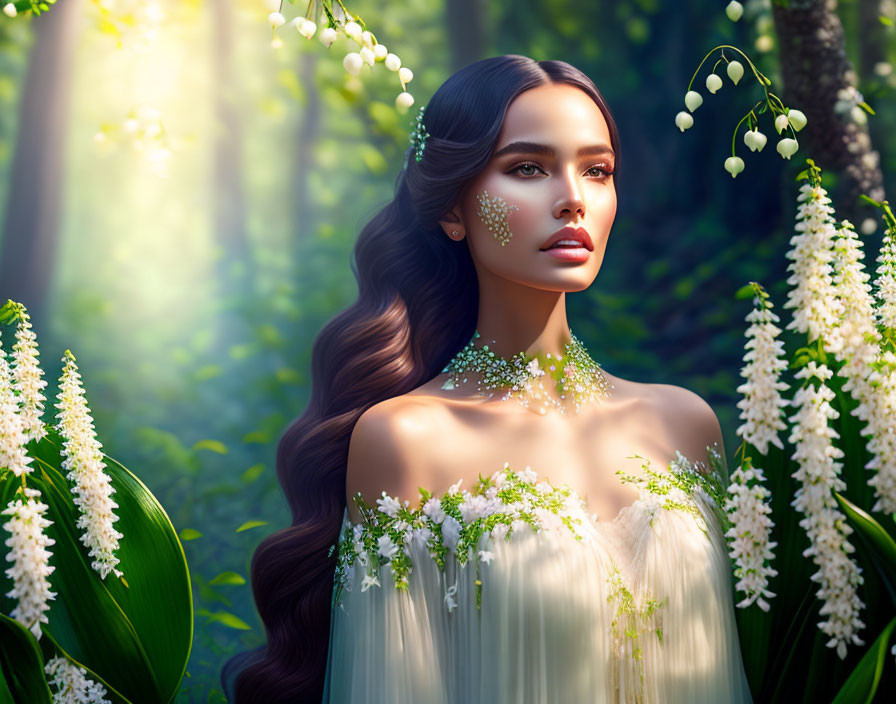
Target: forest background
(179, 200)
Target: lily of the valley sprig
(784, 118)
(338, 20)
(12, 9)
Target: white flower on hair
(819, 475)
(13, 437)
(72, 684)
(84, 462)
(30, 559)
(762, 401)
(817, 307)
(28, 379)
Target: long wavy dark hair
(417, 305)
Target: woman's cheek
(494, 212)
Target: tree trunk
(34, 201)
(467, 21)
(815, 68)
(303, 213)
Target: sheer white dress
(510, 592)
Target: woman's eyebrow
(536, 148)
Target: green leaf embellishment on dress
(460, 523)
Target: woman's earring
(455, 234)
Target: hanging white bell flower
(713, 82)
(276, 19)
(734, 10)
(684, 120)
(27, 378)
(693, 100)
(273, 5)
(30, 560)
(328, 36)
(9, 10)
(735, 71)
(755, 140)
(405, 75)
(368, 56)
(307, 29)
(734, 165)
(797, 119)
(353, 29)
(72, 684)
(787, 147)
(380, 51)
(367, 38)
(404, 101)
(393, 63)
(84, 462)
(781, 123)
(353, 63)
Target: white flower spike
(72, 684)
(27, 379)
(734, 10)
(787, 147)
(693, 100)
(684, 121)
(735, 71)
(734, 165)
(755, 140)
(713, 82)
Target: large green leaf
(21, 665)
(883, 547)
(135, 632)
(862, 683)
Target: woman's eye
(607, 172)
(526, 165)
(599, 170)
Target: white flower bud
(734, 165)
(328, 36)
(713, 82)
(683, 120)
(734, 10)
(368, 56)
(405, 75)
(276, 19)
(393, 63)
(781, 123)
(797, 119)
(352, 29)
(735, 71)
(787, 147)
(9, 10)
(353, 62)
(273, 5)
(380, 51)
(404, 101)
(693, 100)
(367, 38)
(755, 140)
(307, 29)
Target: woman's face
(560, 177)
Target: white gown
(570, 609)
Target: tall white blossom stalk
(867, 376)
(28, 379)
(84, 462)
(30, 559)
(838, 574)
(13, 436)
(72, 684)
(885, 283)
(747, 503)
(812, 295)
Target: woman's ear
(452, 224)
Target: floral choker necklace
(575, 374)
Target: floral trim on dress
(462, 523)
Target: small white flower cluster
(819, 475)
(84, 462)
(753, 138)
(748, 510)
(370, 52)
(30, 560)
(13, 434)
(812, 294)
(72, 684)
(28, 379)
(885, 283)
(762, 401)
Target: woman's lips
(570, 254)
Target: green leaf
(226, 618)
(253, 473)
(884, 20)
(189, 534)
(228, 578)
(22, 678)
(883, 547)
(865, 106)
(258, 436)
(861, 685)
(251, 524)
(134, 632)
(744, 292)
(212, 445)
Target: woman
(461, 532)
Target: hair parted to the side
(417, 305)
